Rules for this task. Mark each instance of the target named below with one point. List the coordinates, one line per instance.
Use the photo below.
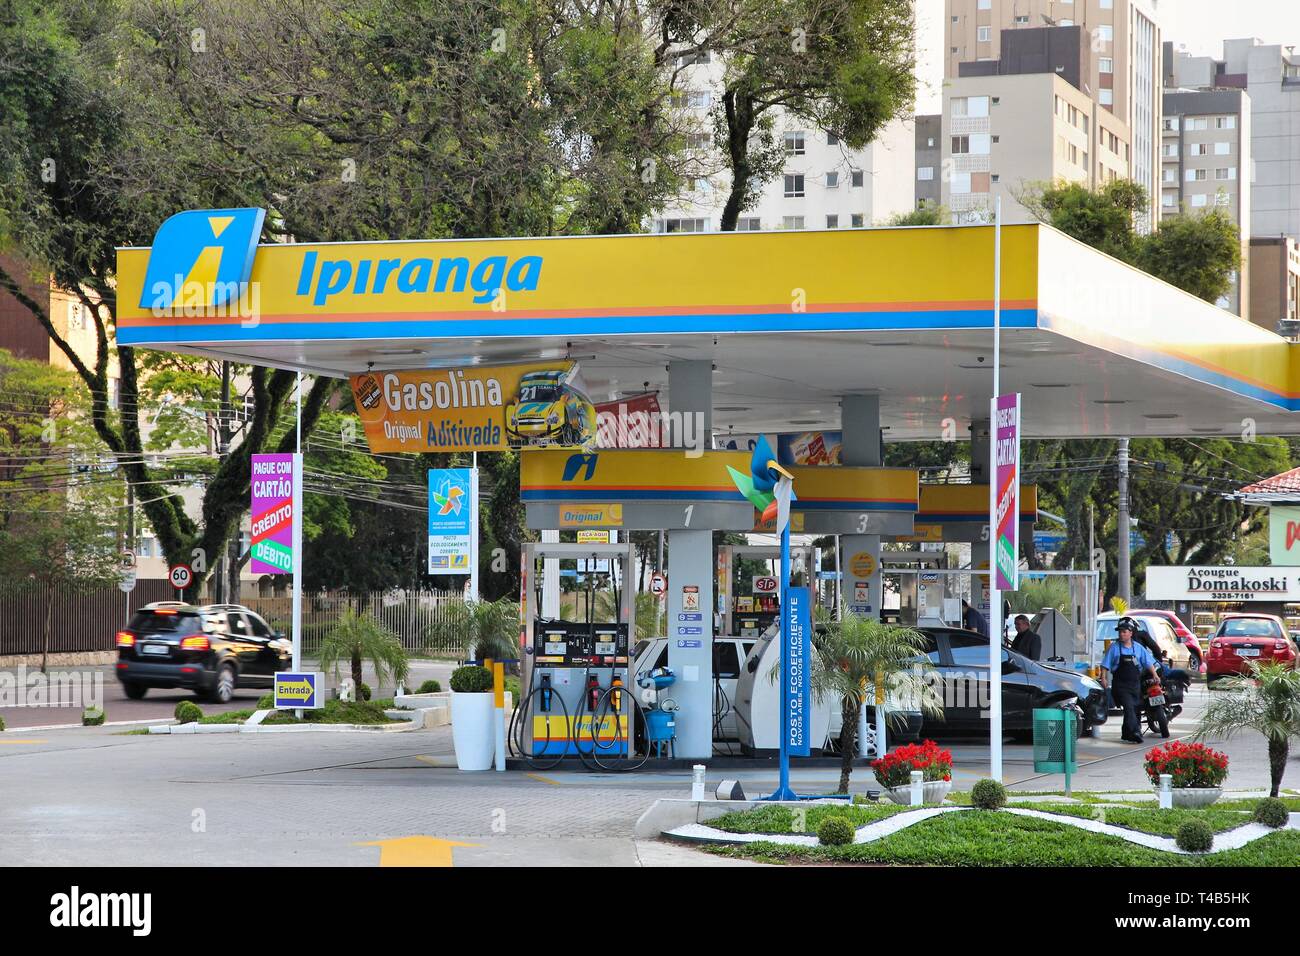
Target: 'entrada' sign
(1222, 584)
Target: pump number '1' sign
(273, 517)
(1006, 435)
(798, 611)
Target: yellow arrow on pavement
(416, 851)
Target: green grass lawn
(334, 712)
(984, 838)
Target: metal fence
(90, 621)
(79, 622)
(408, 614)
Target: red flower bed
(895, 768)
(1191, 765)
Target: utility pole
(224, 566)
(1125, 587)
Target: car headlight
(553, 419)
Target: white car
(1160, 630)
(729, 654)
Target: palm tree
(1267, 701)
(358, 637)
(484, 628)
(651, 620)
(855, 655)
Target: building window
(698, 140)
(1106, 97)
(984, 34)
(793, 185)
(1225, 122)
(1200, 149)
(1222, 149)
(749, 224)
(996, 178)
(1169, 176)
(832, 180)
(832, 221)
(1171, 124)
(856, 220)
(1065, 23)
(1169, 200)
(925, 173)
(832, 139)
(960, 183)
(1198, 122)
(691, 100)
(1221, 174)
(1108, 4)
(1106, 33)
(1170, 150)
(792, 222)
(929, 142)
(694, 56)
(1022, 20)
(794, 144)
(1195, 175)
(855, 178)
(1221, 198)
(1199, 201)
(683, 225)
(960, 145)
(985, 5)
(1105, 65)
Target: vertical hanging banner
(1006, 435)
(798, 611)
(453, 520)
(273, 517)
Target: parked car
(1182, 633)
(210, 650)
(1240, 638)
(961, 660)
(1178, 653)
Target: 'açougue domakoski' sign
(1222, 583)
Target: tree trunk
(1278, 749)
(356, 673)
(49, 607)
(848, 739)
(740, 123)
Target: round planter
(932, 793)
(471, 730)
(1190, 798)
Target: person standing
(1121, 673)
(1027, 642)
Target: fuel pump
(577, 703)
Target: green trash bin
(1054, 742)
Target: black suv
(210, 650)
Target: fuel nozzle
(546, 693)
(616, 693)
(593, 693)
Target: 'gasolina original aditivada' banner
(475, 409)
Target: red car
(1240, 638)
(1183, 632)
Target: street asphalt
(101, 796)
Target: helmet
(1126, 624)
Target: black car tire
(1194, 664)
(224, 687)
(135, 691)
(1158, 724)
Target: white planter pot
(1190, 798)
(932, 793)
(471, 730)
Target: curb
(254, 725)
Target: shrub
(1272, 812)
(1194, 836)
(266, 702)
(2, 724)
(92, 716)
(1191, 765)
(895, 768)
(512, 688)
(835, 831)
(430, 687)
(988, 795)
(187, 712)
(363, 692)
(471, 679)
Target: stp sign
(658, 584)
(765, 584)
(181, 576)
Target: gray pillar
(860, 553)
(690, 572)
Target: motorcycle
(1162, 697)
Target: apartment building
(1122, 74)
(1013, 124)
(823, 185)
(1275, 283)
(1270, 73)
(929, 160)
(1206, 164)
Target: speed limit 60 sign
(181, 576)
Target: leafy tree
(926, 214)
(1197, 253)
(845, 66)
(485, 628)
